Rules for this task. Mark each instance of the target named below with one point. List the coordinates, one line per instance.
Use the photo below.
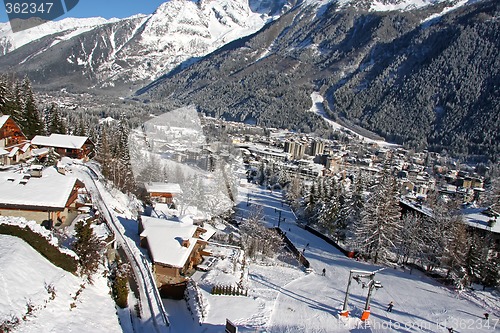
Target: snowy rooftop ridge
(159, 187)
(476, 217)
(60, 141)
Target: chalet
(174, 247)
(79, 147)
(163, 192)
(40, 195)
(14, 146)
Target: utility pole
(279, 219)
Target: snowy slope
(283, 299)
(66, 28)
(24, 275)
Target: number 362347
(28, 7)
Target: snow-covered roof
(165, 240)
(13, 152)
(3, 152)
(39, 152)
(26, 147)
(163, 187)
(476, 218)
(51, 190)
(3, 120)
(60, 141)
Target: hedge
(42, 245)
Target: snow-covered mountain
(66, 28)
(425, 77)
(133, 50)
(126, 54)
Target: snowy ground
(24, 277)
(288, 299)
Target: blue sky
(104, 8)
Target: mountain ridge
(134, 51)
(388, 72)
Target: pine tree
(473, 260)
(492, 199)
(55, 123)
(88, 248)
(454, 258)
(80, 129)
(378, 229)
(9, 104)
(293, 192)
(103, 155)
(126, 176)
(4, 93)
(411, 237)
(31, 123)
(490, 270)
(344, 212)
(120, 284)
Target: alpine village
(253, 166)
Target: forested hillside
(416, 77)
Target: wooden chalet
(174, 248)
(14, 146)
(79, 147)
(162, 192)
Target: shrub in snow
(8, 325)
(229, 291)
(51, 290)
(120, 284)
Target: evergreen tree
(343, 215)
(454, 258)
(103, 148)
(120, 284)
(473, 260)
(492, 199)
(411, 237)
(80, 128)
(126, 180)
(55, 123)
(88, 248)
(379, 227)
(9, 104)
(293, 192)
(31, 123)
(490, 272)
(4, 93)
